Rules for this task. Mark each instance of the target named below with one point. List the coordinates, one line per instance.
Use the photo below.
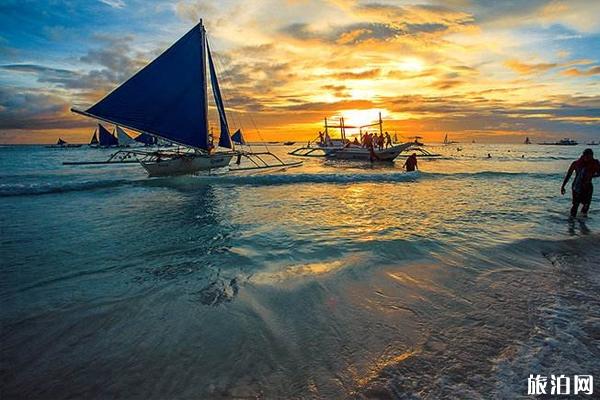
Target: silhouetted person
(586, 168)
(411, 163)
(388, 140)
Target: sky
(491, 71)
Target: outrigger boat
(344, 149)
(168, 100)
(562, 142)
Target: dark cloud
(582, 72)
(346, 35)
(337, 90)
(367, 74)
(34, 111)
(44, 74)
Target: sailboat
(145, 139)
(123, 138)
(94, 139)
(168, 99)
(447, 142)
(105, 138)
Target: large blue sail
(224, 138)
(105, 137)
(167, 98)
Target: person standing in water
(586, 168)
(411, 163)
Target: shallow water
(331, 280)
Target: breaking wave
(22, 189)
(263, 179)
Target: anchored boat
(562, 142)
(168, 100)
(344, 149)
(62, 144)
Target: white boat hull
(363, 154)
(186, 164)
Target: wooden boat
(168, 100)
(343, 149)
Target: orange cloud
(525, 68)
(581, 72)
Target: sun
(411, 64)
(357, 118)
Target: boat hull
(363, 154)
(186, 164)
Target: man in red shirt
(586, 168)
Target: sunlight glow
(411, 64)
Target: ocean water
(332, 280)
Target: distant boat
(447, 142)
(94, 140)
(288, 143)
(238, 137)
(123, 138)
(105, 138)
(146, 140)
(562, 142)
(416, 140)
(593, 143)
(62, 144)
(527, 141)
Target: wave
(21, 189)
(264, 179)
(348, 177)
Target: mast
(204, 80)
(326, 131)
(380, 124)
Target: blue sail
(224, 138)
(145, 139)
(238, 138)
(167, 98)
(105, 137)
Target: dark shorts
(584, 195)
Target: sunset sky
(488, 70)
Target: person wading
(411, 163)
(586, 168)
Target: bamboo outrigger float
(168, 100)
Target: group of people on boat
(374, 141)
(368, 141)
